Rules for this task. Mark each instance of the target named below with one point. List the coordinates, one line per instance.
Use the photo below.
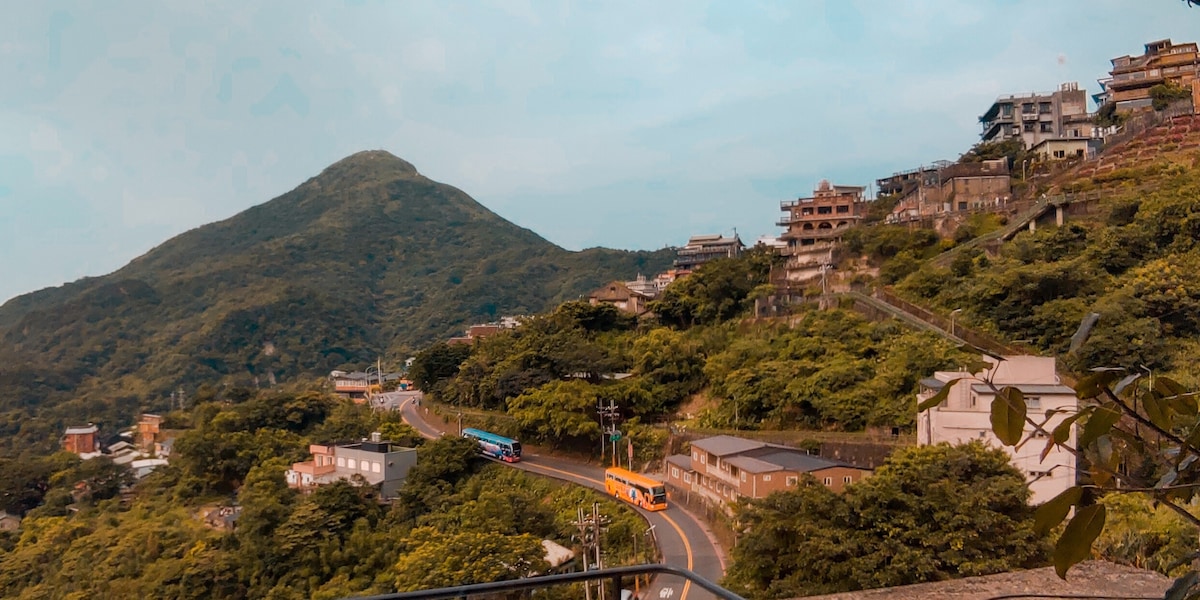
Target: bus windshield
(516, 448)
(659, 493)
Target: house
(703, 248)
(483, 330)
(144, 466)
(82, 440)
(954, 187)
(619, 295)
(1037, 116)
(815, 225)
(354, 385)
(378, 462)
(643, 286)
(726, 468)
(966, 415)
(901, 183)
(1064, 148)
(9, 522)
(1128, 83)
(147, 431)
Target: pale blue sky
(621, 124)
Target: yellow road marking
(687, 549)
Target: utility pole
(586, 541)
(612, 412)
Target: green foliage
(718, 291)
(560, 412)
(436, 363)
(1011, 149)
(442, 559)
(1107, 115)
(1164, 94)
(929, 513)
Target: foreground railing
(616, 578)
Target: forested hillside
(458, 519)
(369, 259)
(816, 370)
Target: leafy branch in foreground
(1139, 434)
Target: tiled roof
(796, 460)
(753, 465)
(680, 460)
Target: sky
(620, 124)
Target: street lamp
(952, 313)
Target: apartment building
(725, 469)
(1129, 82)
(955, 187)
(815, 226)
(1038, 116)
(966, 415)
(379, 462)
(703, 248)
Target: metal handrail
(615, 575)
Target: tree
(441, 559)
(437, 363)
(718, 291)
(558, 412)
(929, 513)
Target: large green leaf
(1156, 410)
(1008, 415)
(939, 397)
(1075, 543)
(1099, 423)
(1054, 510)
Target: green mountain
(368, 259)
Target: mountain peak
(368, 165)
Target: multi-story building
(147, 431)
(966, 415)
(815, 226)
(703, 248)
(1038, 116)
(379, 462)
(1129, 82)
(83, 441)
(726, 468)
(902, 183)
(956, 187)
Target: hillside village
(1030, 144)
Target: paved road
(682, 541)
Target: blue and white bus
(496, 446)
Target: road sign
(614, 435)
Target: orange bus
(635, 489)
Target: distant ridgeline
(369, 258)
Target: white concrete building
(965, 416)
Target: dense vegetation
(368, 259)
(929, 513)
(819, 369)
(1136, 264)
(337, 541)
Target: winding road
(682, 540)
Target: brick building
(815, 225)
(81, 440)
(726, 468)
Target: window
(351, 464)
(982, 435)
(1044, 107)
(703, 458)
(824, 210)
(376, 467)
(792, 479)
(696, 456)
(806, 211)
(846, 479)
(1047, 127)
(341, 462)
(1060, 154)
(1028, 108)
(1028, 127)
(843, 208)
(687, 477)
(365, 466)
(675, 472)
(743, 476)
(828, 481)
(766, 477)
(712, 459)
(1033, 402)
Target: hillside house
(815, 226)
(1038, 116)
(955, 187)
(1067, 148)
(378, 462)
(619, 295)
(725, 469)
(484, 330)
(1129, 82)
(703, 248)
(83, 440)
(9, 522)
(965, 415)
(148, 429)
